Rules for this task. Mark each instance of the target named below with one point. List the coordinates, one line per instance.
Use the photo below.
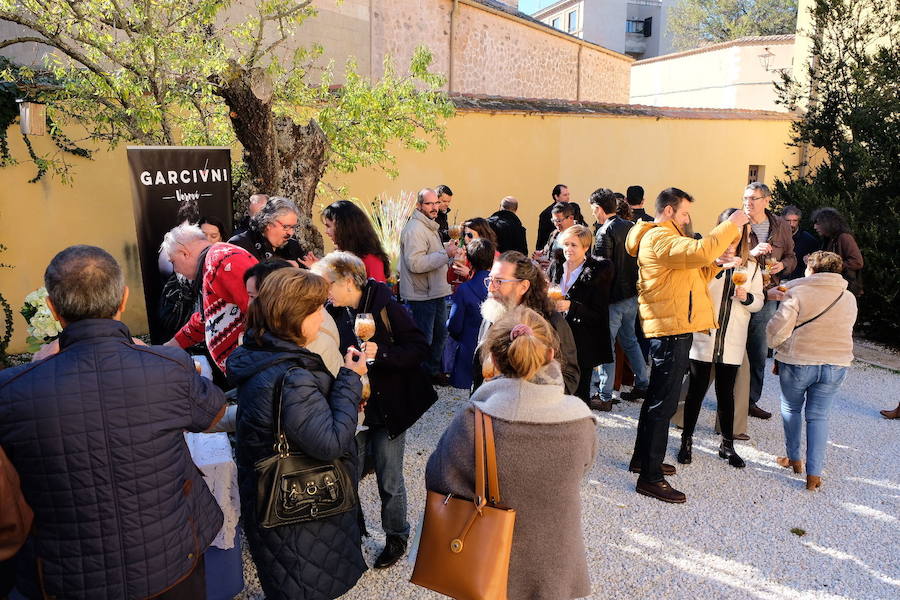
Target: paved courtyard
(751, 533)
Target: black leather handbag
(295, 488)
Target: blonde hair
(521, 355)
(821, 261)
(286, 298)
(339, 265)
(578, 231)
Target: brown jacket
(826, 341)
(782, 240)
(673, 274)
(545, 444)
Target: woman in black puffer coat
(318, 559)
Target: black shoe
(667, 469)
(661, 490)
(598, 403)
(634, 395)
(726, 451)
(759, 413)
(393, 551)
(684, 454)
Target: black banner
(164, 179)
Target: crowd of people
(323, 356)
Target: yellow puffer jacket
(673, 274)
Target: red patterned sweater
(224, 299)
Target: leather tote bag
(294, 488)
(465, 543)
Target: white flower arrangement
(42, 326)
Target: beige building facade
(739, 74)
(481, 46)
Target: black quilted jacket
(317, 559)
(96, 434)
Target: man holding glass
(772, 246)
(423, 277)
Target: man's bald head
(509, 203)
(257, 201)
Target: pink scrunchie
(520, 329)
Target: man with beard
(271, 233)
(515, 279)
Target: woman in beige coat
(812, 334)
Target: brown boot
(891, 414)
(813, 482)
(785, 462)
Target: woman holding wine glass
(585, 282)
(736, 292)
(473, 229)
(368, 316)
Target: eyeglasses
(489, 281)
(470, 235)
(560, 221)
(754, 198)
(430, 203)
(288, 228)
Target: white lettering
(185, 176)
(185, 196)
(216, 175)
(160, 178)
(146, 178)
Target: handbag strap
(479, 460)
(281, 444)
(491, 456)
(387, 323)
(796, 327)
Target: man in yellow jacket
(673, 273)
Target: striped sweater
(220, 322)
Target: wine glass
(739, 276)
(455, 231)
(364, 328)
(555, 293)
(366, 393)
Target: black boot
(684, 454)
(393, 551)
(726, 451)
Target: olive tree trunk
(283, 158)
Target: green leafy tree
(848, 99)
(694, 23)
(200, 72)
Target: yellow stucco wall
(490, 156)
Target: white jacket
(728, 343)
(423, 260)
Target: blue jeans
(388, 458)
(758, 347)
(815, 386)
(622, 315)
(431, 317)
(669, 361)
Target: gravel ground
(751, 533)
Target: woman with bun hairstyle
(545, 446)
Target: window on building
(573, 21)
(756, 173)
(634, 26)
(555, 23)
(641, 26)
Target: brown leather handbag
(15, 514)
(465, 543)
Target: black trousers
(726, 375)
(669, 358)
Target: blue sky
(529, 6)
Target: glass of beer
(739, 277)
(364, 328)
(555, 293)
(455, 232)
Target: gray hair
(339, 265)
(758, 185)
(420, 197)
(182, 235)
(790, 209)
(509, 203)
(84, 282)
(276, 206)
